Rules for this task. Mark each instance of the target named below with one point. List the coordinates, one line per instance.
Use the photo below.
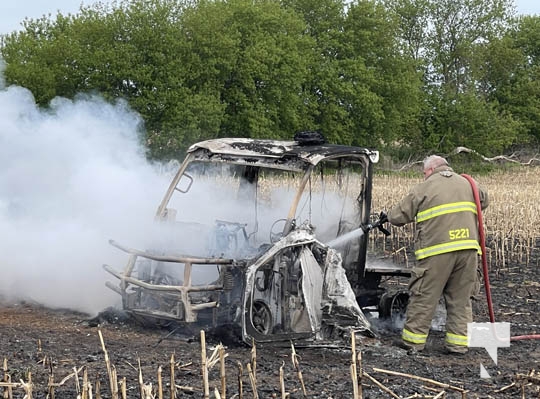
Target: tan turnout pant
(452, 275)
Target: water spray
(360, 231)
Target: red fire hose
(484, 260)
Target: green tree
(411, 19)
(192, 70)
(458, 28)
(362, 90)
(449, 39)
(35, 61)
(255, 55)
(324, 88)
(427, 75)
(388, 107)
(511, 75)
(135, 50)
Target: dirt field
(44, 341)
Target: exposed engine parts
(266, 237)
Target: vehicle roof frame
(272, 154)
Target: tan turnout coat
(445, 212)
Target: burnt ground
(39, 340)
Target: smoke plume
(72, 177)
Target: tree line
(406, 76)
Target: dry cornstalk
(184, 365)
(147, 391)
(296, 365)
(68, 377)
(98, 389)
(159, 383)
(45, 361)
(429, 381)
(427, 388)
(27, 386)
(204, 366)
(85, 384)
(442, 394)
(360, 374)
(505, 388)
(354, 375)
(140, 378)
(284, 394)
(130, 365)
(531, 378)
(240, 382)
(513, 235)
(77, 385)
(252, 381)
(90, 395)
(10, 384)
(215, 356)
(187, 389)
(222, 374)
(216, 393)
(115, 381)
(112, 384)
(173, 385)
(254, 358)
(123, 388)
(8, 392)
(380, 385)
(50, 386)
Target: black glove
(383, 217)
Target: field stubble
(58, 353)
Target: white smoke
(71, 178)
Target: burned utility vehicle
(266, 238)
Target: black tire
(393, 307)
(261, 317)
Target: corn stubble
(513, 237)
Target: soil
(40, 342)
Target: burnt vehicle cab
(264, 237)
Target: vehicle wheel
(394, 307)
(261, 317)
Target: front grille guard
(162, 300)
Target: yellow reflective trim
(447, 247)
(452, 207)
(454, 339)
(406, 335)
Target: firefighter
(446, 250)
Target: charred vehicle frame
(274, 245)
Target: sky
(12, 13)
